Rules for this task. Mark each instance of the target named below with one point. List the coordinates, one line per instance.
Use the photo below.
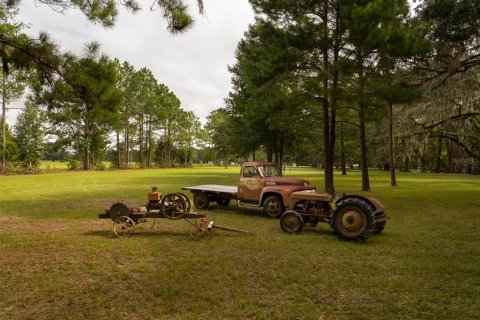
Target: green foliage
(217, 132)
(451, 21)
(29, 135)
(83, 108)
(105, 12)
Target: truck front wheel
(273, 206)
(200, 200)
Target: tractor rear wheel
(353, 219)
(291, 222)
(380, 225)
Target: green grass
(58, 261)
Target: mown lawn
(58, 261)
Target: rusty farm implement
(173, 206)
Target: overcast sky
(193, 65)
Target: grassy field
(58, 261)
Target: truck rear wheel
(273, 206)
(291, 222)
(200, 200)
(223, 202)
(353, 219)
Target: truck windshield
(268, 171)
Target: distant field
(58, 261)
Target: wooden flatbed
(224, 192)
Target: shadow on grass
(166, 233)
(238, 210)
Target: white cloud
(193, 65)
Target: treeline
(367, 83)
(76, 103)
(335, 84)
(132, 119)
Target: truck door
(250, 184)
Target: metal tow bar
(205, 225)
(212, 225)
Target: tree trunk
(127, 145)
(86, 146)
(439, 156)
(4, 126)
(363, 152)
(118, 150)
(330, 98)
(343, 164)
(225, 159)
(393, 179)
(406, 164)
(141, 143)
(362, 129)
(149, 146)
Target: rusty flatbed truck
(351, 217)
(259, 185)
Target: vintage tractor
(352, 217)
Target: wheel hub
(352, 221)
(291, 222)
(273, 207)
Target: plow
(173, 206)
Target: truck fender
(268, 193)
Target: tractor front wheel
(291, 222)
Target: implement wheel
(353, 219)
(291, 222)
(118, 210)
(187, 200)
(123, 227)
(173, 206)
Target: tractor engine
(314, 211)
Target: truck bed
(215, 188)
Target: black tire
(291, 222)
(223, 202)
(380, 225)
(200, 200)
(353, 219)
(273, 206)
